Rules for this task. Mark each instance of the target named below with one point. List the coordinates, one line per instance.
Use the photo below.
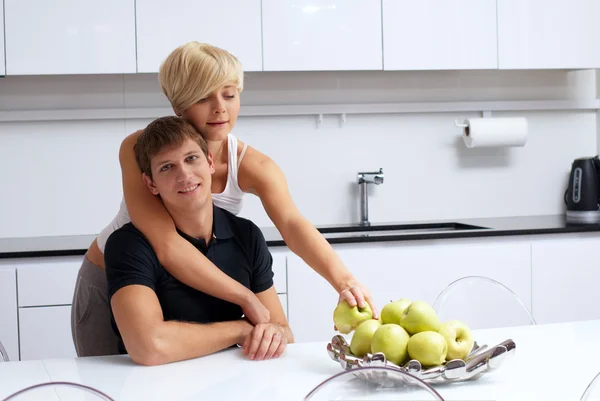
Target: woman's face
(215, 115)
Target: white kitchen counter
(552, 362)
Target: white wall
(63, 178)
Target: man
(158, 318)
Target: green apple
(458, 338)
(428, 347)
(361, 339)
(392, 312)
(418, 317)
(347, 318)
(392, 340)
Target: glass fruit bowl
(482, 359)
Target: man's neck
(197, 224)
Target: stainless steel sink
(395, 230)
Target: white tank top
(231, 199)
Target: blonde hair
(194, 70)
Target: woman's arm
(176, 254)
(260, 175)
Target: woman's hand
(266, 341)
(354, 293)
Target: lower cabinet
(565, 279)
(283, 300)
(555, 277)
(45, 332)
(9, 332)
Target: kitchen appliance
(582, 196)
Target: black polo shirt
(238, 248)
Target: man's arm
(150, 340)
(132, 270)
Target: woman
(203, 84)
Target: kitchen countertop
(533, 372)
(336, 234)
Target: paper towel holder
(484, 114)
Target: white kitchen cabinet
(2, 61)
(565, 279)
(307, 35)
(162, 26)
(548, 34)
(9, 333)
(401, 270)
(280, 272)
(47, 281)
(45, 332)
(283, 300)
(439, 35)
(70, 37)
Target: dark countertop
(340, 233)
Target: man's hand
(354, 293)
(255, 311)
(266, 341)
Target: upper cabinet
(70, 37)
(439, 35)
(2, 63)
(234, 25)
(307, 35)
(128, 36)
(553, 34)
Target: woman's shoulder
(256, 168)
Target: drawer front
(45, 333)
(49, 281)
(280, 273)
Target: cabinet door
(70, 37)
(8, 313)
(305, 35)
(283, 300)
(233, 25)
(45, 332)
(48, 281)
(439, 35)
(565, 277)
(2, 62)
(395, 270)
(548, 34)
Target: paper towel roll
(495, 132)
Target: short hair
(194, 70)
(162, 133)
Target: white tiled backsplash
(63, 177)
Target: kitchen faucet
(365, 178)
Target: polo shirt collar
(221, 228)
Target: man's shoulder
(126, 237)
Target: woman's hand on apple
(265, 341)
(354, 293)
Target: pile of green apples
(405, 330)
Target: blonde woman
(203, 84)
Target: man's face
(182, 176)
